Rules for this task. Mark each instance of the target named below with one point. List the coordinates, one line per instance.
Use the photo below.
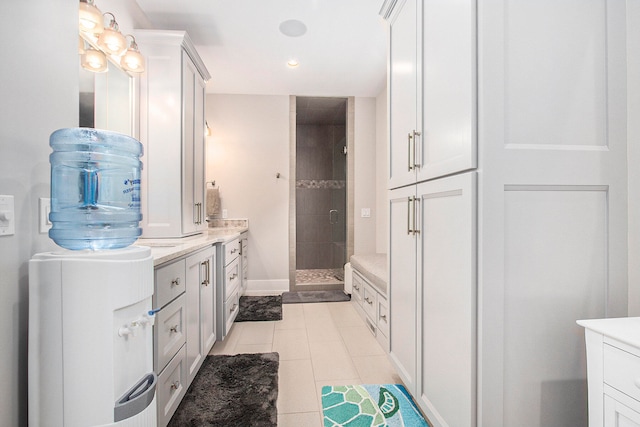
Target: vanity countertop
(623, 329)
(165, 250)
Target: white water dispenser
(90, 338)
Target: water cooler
(90, 320)
(90, 338)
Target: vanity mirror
(108, 100)
(107, 66)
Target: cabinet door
(402, 285)
(194, 348)
(193, 148)
(448, 140)
(553, 198)
(404, 93)
(618, 415)
(208, 300)
(447, 299)
(199, 309)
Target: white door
(404, 92)
(448, 140)
(199, 153)
(402, 284)
(447, 297)
(552, 201)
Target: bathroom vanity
(613, 371)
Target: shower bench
(369, 293)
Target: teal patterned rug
(370, 405)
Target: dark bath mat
(232, 391)
(314, 296)
(262, 308)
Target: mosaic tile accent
(320, 276)
(228, 223)
(321, 183)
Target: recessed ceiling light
(293, 28)
(293, 63)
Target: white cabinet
(229, 286)
(548, 230)
(372, 306)
(185, 327)
(613, 367)
(433, 294)
(172, 97)
(432, 89)
(403, 290)
(404, 94)
(200, 308)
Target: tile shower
(320, 191)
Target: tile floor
(319, 344)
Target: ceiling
(342, 53)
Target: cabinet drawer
(231, 308)
(369, 301)
(231, 277)
(622, 371)
(169, 282)
(169, 332)
(231, 251)
(357, 286)
(172, 386)
(383, 316)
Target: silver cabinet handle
(175, 282)
(409, 141)
(383, 317)
(207, 276)
(233, 308)
(368, 300)
(174, 329)
(415, 164)
(409, 209)
(415, 215)
(174, 385)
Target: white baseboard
(266, 287)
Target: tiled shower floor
(325, 276)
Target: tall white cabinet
(172, 122)
(509, 221)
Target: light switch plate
(365, 213)
(44, 209)
(7, 216)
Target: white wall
(382, 215)
(364, 231)
(248, 147)
(39, 71)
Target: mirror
(107, 100)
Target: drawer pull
(233, 251)
(175, 282)
(368, 300)
(233, 308)
(356, 288)
(383, 317)
(174, 329)
(175, 385)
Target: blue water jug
(95, 189)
